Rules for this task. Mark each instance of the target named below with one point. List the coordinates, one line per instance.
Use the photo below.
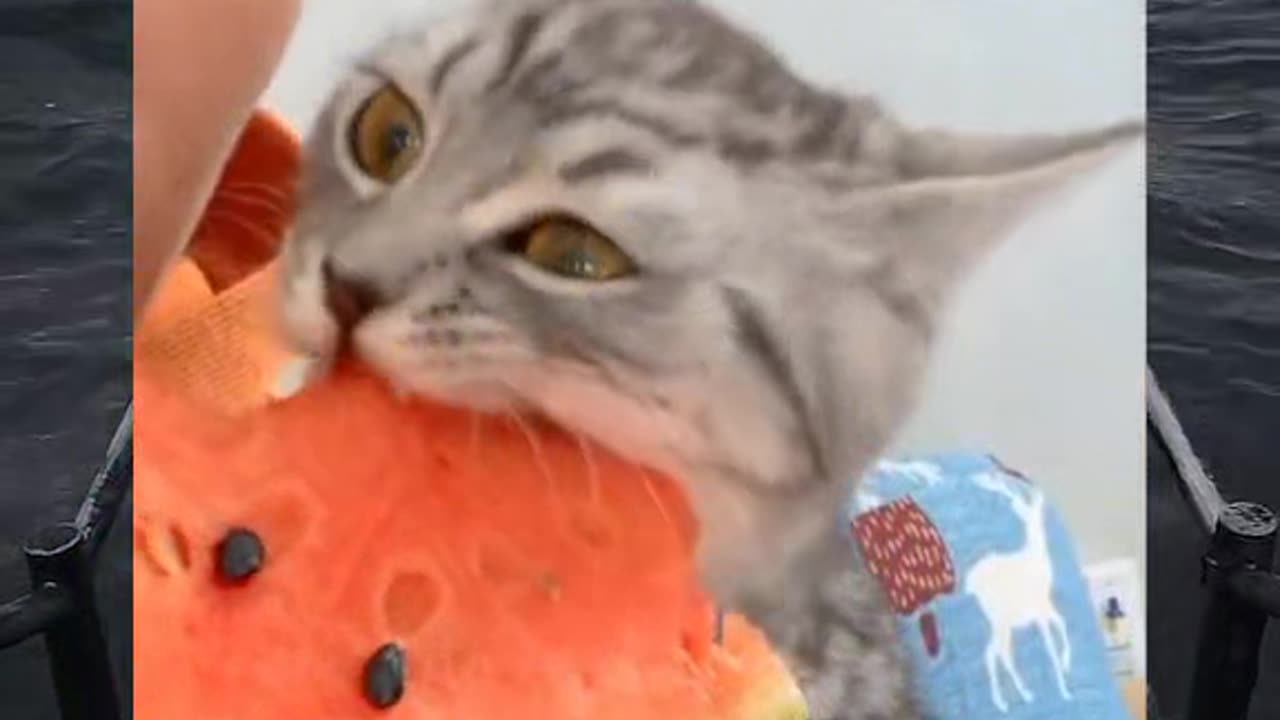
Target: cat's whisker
(539, 457)
(656, 497)
(589, 462)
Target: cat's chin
(480, 396)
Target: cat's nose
(349, 298)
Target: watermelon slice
(511, 571)
(345, 553)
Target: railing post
(82, 675)
(1231, 628)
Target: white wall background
(1042, 363)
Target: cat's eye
(574, 250)
(386, 135)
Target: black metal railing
(62, 604)
(1236, 571)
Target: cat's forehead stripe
(610, 161)
(451, 59)
(565, 60)
(828, 115)
(563, 114)
(521, 34)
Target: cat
(632, 218)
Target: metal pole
(30, 614)
(1204, 496)
(101, 504)
(1232, 626)
(59, 559)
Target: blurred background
(65, 300)
(1213, 298)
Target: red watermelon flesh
(524, 573)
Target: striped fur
(795, 247)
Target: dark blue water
(65, 318)
(1213, 295)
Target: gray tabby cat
(633, 219)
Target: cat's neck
(757, 534)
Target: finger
(199, 67)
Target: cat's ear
(853, 362)
(958, 195)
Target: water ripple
(1213, 293)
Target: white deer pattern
(1015, 590)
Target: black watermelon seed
(240, 554)
(384, 676)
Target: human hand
(199, 68)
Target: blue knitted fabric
(992, 604)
